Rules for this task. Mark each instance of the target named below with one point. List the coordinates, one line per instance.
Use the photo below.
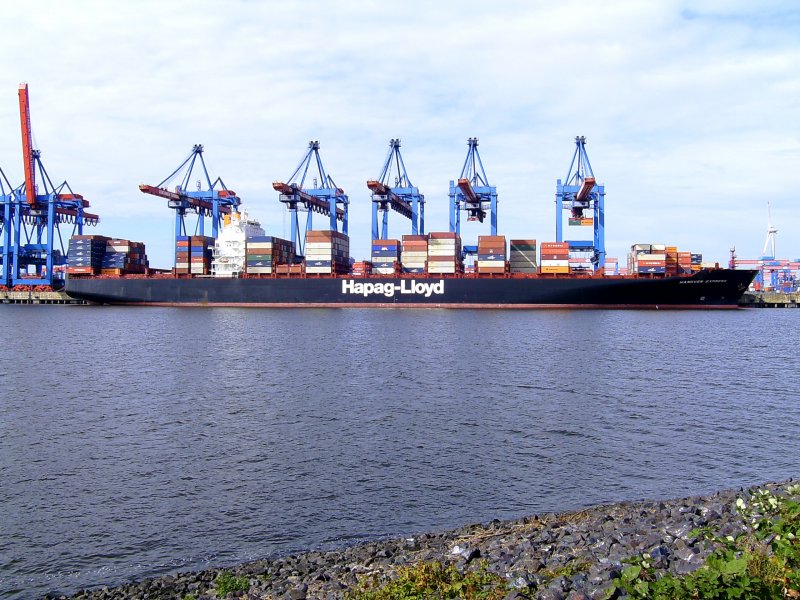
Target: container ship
(245, 268)
(717, 288)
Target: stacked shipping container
(684, 263)
(414, 253)
(361, 268)
(85, 254)
(123, 257)
(264, 252)
(522, 256)
(327, 251)
(491, 254)
(580, 264)
(444, 253)
(660, 259)
(671, 260)
(193, 254)
(647, 258)
(98, 254)
(612, 266)
(385, 253)
(554, 258)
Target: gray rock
(298, 593)
(527, 552)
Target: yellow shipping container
(547, 269)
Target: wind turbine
(771, 231)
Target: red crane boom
(315, 203)
(27, 144)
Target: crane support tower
(584, 199)
(7, 210)
(215, 201)
(472, 193)
(34, 249)
(324, 197)
(402, 197)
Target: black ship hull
(715, 288)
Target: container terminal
(238, 263)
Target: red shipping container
(554, 256)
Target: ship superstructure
(230, 250)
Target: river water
(136, 442)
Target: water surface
(135, 442)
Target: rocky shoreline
(553, 556)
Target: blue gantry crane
(8, 206)
(472, 194)
(215, 201)
(584, 199)
(34, 248)
(323, 197)
(402, 197)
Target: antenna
(771, 231)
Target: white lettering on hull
(390, 288)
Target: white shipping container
(489, 263)
(443, 270)
(660, 256)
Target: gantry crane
(33, 245)
(323, 198)
(8, 206)
(402, 197)
(215, 201)
(473, 193)
(581, 195)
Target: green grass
(433, 581)
(226, 583)
(761, 563)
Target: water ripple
(163, 440)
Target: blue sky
(691, 110)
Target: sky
(691, 110)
